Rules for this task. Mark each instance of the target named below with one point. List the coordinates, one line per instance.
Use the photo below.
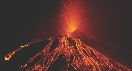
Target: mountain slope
(61, 53)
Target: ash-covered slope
(61, 53)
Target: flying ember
(70, 15)
(70, 52)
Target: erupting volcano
(65, 52)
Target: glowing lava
(7, 57)
(77, 55)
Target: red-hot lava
(77, 55)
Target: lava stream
(76, 55)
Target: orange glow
(71, 28)
(84, 57)
(70, 16)
(72, 21)
(8, 56)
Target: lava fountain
(70, 15)
(76, 55)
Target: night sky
(26, 21)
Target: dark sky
(110, 21)
(25, 21)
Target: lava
(77, 55)
(7, 57)
(84, 57)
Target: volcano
(74, 52)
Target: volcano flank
(74, 52)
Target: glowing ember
(7, 57)
(70, 16)
(76, 54)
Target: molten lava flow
(76, 54)
(7, 57)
